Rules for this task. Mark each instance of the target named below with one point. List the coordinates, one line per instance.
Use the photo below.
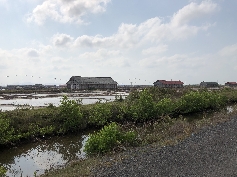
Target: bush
(109, 138)
(70, 115)
(100, 114)
(6, 131)
(143, 108)
(119, 112)
(199, 101)
(165, 107)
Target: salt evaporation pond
(42, 100)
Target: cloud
(154, 30)
(155, 50)
(32, 53)
(174, 62)
(99, 55)
(66, 11)
(25, 53)
(229, 51)
(193, 11)
(61, 40)
(108, 58)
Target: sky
(134, 42)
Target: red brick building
(231, 84)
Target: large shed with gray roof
(90, 83)
(209, 84)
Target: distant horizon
(60, 84)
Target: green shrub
(100, 114)
(108, 138)
(6, 131)
(119, 112)
(143, 108)
(70, 115)
(165, 107)
(199, 101)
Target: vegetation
(164, 132)
(108, 138)
(70, 115)
(149, 105)
(153, 115)
(2, 171)
(100, 114)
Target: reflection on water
(44, 155)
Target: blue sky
(48, 41)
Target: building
(88, 83)
(231, 84)
(209, 84)
(30, 87)
(168, 84)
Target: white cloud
(25, 53)
(107, 58)
(154, 30)
(193, 11)
(155, 50)
(61, 40)
(33, 53)
(229, 51)
(66, 11)
(101, 54)
(93, 41)
(175, 63)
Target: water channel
(43, 155)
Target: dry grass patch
(75, 168)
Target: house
(209, 84)
(168, 84)
(88, 83)
(231, 84)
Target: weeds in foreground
(109, 138)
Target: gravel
(210, 152)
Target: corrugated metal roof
(170, 82)
(92, 80)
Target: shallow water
(41, 100)
(43, 155)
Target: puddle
(41, 156)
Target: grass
(166, 132)
(75, 168)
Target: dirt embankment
(210, 152)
